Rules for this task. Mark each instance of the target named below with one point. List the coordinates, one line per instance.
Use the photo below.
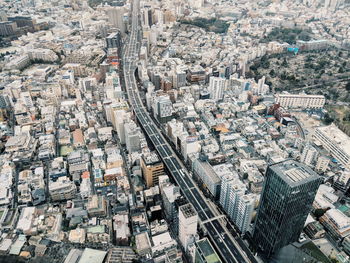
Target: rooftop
(92, 256)
(151, 158)
(142, 241)
(338, 218)
(188, 210)
(294, 173)
(337, 136)
(73, 256)
(161, 239)
(207, 251)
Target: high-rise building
(179, 79)
(206, 174)
(342, 181)
(147, 16)
(23, 21)
(5, 101)
(132, 137)
(244, 211)
(169, 195)
(288, 193)
(152, 167)
(114, 40)
(116, 17)
(238, 205)
(216, 88)
(163, 109)
(308, 155)
(188, 220)
(8, 28)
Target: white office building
(309, 155)
(226, 183)
(204, 171)
(244, 211)
(335, 141)
(322, 164)
(236, 189)
(216, 88)
(132, 137)
(238, 205)
(169, 195)
(163, 108)
(188, 220)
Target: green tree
(319, 212)
(347, 86)
(284, 63)
(328, 119)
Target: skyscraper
(289, 191)
(114, 40)
(188, 220)
(216, 88)
(147, 16)
(116, 17)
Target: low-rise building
(202, 251)
(62, 189)
(97, 206)
(303, 101)
(337, 224)
(77, 235)
(98, 234)
(335, 141)
(315, 230)
(121, 255)
(143, 243)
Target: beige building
(77, 235)
(302, 101)
(143, 243)
(97, 206)
(98, 234)
(19, 143)
(62, 189)
(152, 167)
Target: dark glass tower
(288, 193)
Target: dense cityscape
(196, 131)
